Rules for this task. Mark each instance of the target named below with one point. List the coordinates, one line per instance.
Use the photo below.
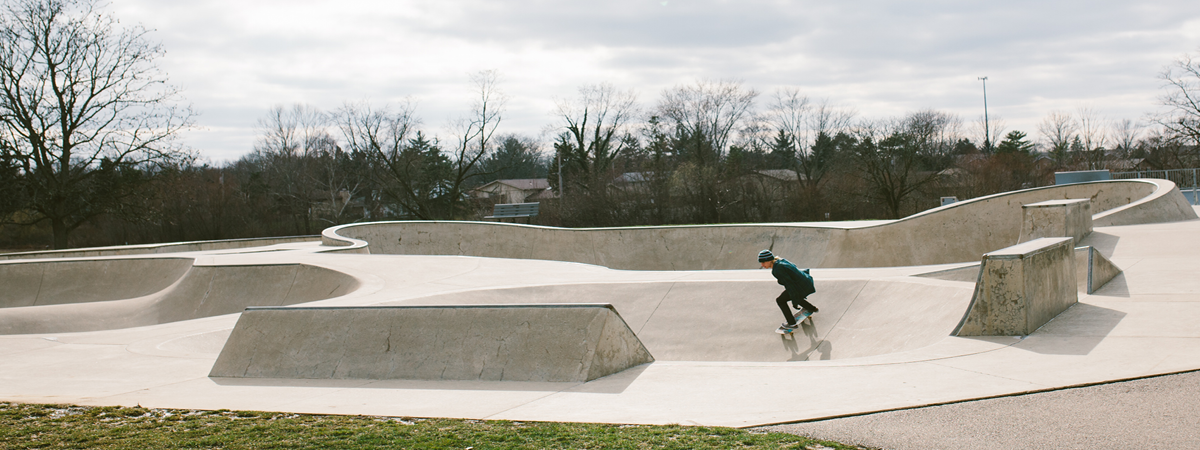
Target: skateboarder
(797, 284)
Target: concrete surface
(1022, 287)
(1144, 322)
(967, 274)
(546, 343)
(732, 315)
(1055, 218)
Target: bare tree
(416, 174)
(593, 127)
(809, 128)
(896, 158)
(830, 119)
(293, 131)
(711, 112)
(380, 131)
(473, 132)
(980, 134)
(790, 113)
(1182, 99)
(291, 143)
(1165, 149)
(1058, 130)
(1125, 135)
(410, 170)
(1092, 136)
(81, 102)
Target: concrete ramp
(735, 320)
(546, 343)
(960, 232)
(66, 282)
(152, 291)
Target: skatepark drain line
(651, 315)
(824, 340)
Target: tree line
(90, 155)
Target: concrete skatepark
(919, 311)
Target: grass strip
(29, 426)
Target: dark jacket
(799, 283)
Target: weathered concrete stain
(1021, 288)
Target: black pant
(783, 300)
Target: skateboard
(800, 316)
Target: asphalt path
(1159, 412)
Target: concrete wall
(61, 282)
(549, 343)
(153, 249)
(203, 291)
(959, 232)
(1166, 204)
(1022, 287)
(1056, 218)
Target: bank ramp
(54, 296)
(734, 320)
(534, 343)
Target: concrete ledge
(1022, 287)
(1056, 218)
(1092, 269)
(545, 342)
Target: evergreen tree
(783, 152)
(514, 158)
(1015, 142)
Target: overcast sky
(235, 59)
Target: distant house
(1127, 165)
(773, 183)
(631, 182)
(781, 175)
(515, 191)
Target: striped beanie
(765, 256)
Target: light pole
(987, 129)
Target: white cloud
(236, 59)
(1191, 30)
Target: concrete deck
(881, 341)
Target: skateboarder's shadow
(793, 345)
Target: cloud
(236, 59)
(628, 23)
